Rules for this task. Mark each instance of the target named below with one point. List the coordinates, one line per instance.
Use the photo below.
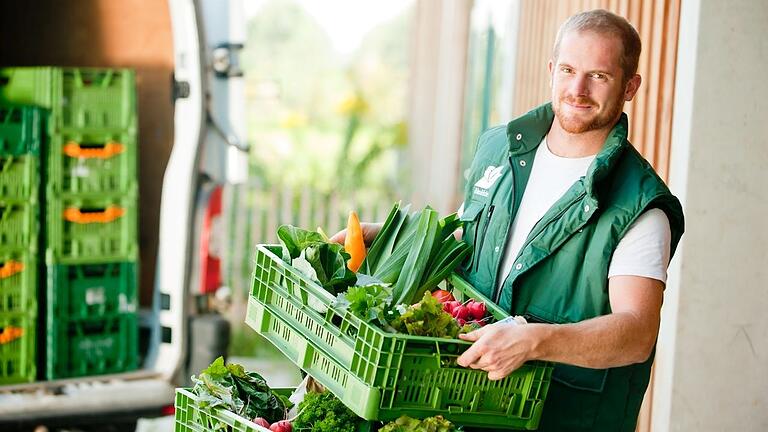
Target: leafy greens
(234, 389)
(419, 242)
(315, 256)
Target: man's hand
(369, 233)
(499, 349)
(623, 337)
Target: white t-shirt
(644, 249)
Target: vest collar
(526, 132)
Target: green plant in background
(351, 168)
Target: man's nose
(579, 85)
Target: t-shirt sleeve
(645, 248)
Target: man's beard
(599, 121)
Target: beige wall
(712, 363)
(436, 105)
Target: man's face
(588, 89)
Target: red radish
(261, 421)
(281, 426)
(461, 322)
(461, 312)
(443, 296)
(477, 310)
(450, 306)
(481, 323)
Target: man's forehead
(592, 49)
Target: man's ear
(632, 86)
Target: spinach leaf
(310, 250)
(234, 389)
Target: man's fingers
(339, 237)
(496, 375)
(471, 356)
(474, 335)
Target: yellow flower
(352, 104)
(293, 120)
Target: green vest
(561, 273)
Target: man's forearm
(613, 340)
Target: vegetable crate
(191, 416)
(92, 163)
(91, 347)
(17, 348)
(18, 224)
(29, 85)
(19, 176)
(20, 130)
(92, 229)
(79, 98)
(379, 375)
(18, 282)
(82, 291)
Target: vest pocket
(471, 222)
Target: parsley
(323, 412)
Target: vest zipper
(497, 293)
(482, 237)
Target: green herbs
(430, 424)
(372, 302)
(234, 389)
(323, 412)
(419, 242)
(426, 318)
(313, 255)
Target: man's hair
(603, 22)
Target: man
(573, 230)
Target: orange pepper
(353, 243)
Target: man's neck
(569, 145)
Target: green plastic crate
(18, 282)
(379, 375)
(90, 163)
(82, 291)
(20, 130)
(95, 99)
(19, 177)
(17, 356)
(29, 85)
(91, 229)
(190, 417)
(18, 224)
(77, 348)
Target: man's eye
(599, 76)
(566, 69)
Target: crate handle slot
(110, 214)
(110, 149)
(10, 334)
(10, 268)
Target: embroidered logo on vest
(490, 176)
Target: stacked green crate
(20, 137)
(91, 246)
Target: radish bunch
(471, 311)
(278, 426)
